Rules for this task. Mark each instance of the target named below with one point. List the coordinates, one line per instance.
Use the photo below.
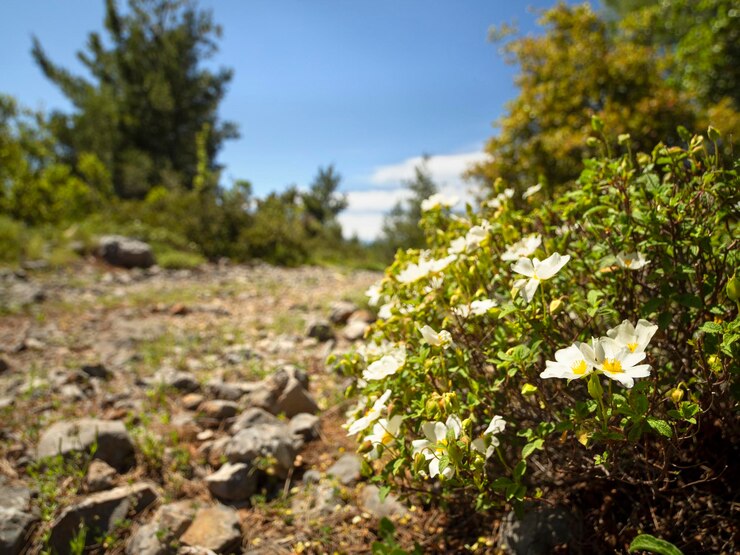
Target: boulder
(252, 417)
(114, 445)
(15, 529)
(262, 440)
(216, 528)
(100, 513)
(305, 425)
(168, 524)
(125, 252)
(355, 330)
(294, 399)
(218, 409)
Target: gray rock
(311, 476)
(182, 381)
(192, 401)
(174, 518)
(226, 391)
(355, 330)
(15, 497)
(262, 395)
(100, 476)
(294, 399)
(233, 482)
(168, 524)
(316, 501)
(216, 528)
(114, 445)
(341, 311)
(20, 294)
(305, 425)
(15, 529)
(252, 417)
(145, 541)
(321, 330)
(100, 513)
(198, 550)
(346, 469)
(388, 507)
(96, 371)
(262, 440)
(539, 531)
(71, 392)
(218, 409)
(125, 252)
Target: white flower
(472, 239)
(570, 364)
(370, 416)
(522, 248)
(476, 308)
(635, 338)
(615, 361)
(388, 364)
(385, 311)
(414, 272)
(536, 271)
(435, 445)
(496, 426)
(384, 432)
(438, 200)
(373, 294)
(632, 260)
(531, 191)
(441, 339)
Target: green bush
(493, 378)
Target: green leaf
(594, 387)
(711, 327)
(532, 446)
(646, 542)
(660, 426)
(383, 492)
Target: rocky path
(153, 412)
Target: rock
(114, 445)
(218, 409)
(317, 501)
(216, 528)
(125, 252)
(295, 400)
(191, 401)
(355, 330)
(96, 371)
(341, 311)
(71, 392)
(168, 524)
(262, 440)
(233, 482)
(262, 395)
(20, 294)
(388, 507)
(252, 417)
(182, 381)
(294, 372)
(100, 513)
(100, 476)
(321, 330)
(305, 425)
(311, 476)
(15, 529)
(540, 530)
(4, 366)
(222, 390)
(346, 469)
(187, 550)
(15, 497)
(362, 316)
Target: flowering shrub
(540, 342)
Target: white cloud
(445, 169)
(366, 209)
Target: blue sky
(365, 85)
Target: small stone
(388, 507)
(191, 401)
(14, 497)
(100, 476)
(362, 316)
(179, 309)
(218, 409)
(205, 435)
(125, 252)
(96, 371)
(233, 482)
(15, 529)
(145, 541)
(341, 311)
(222, 390)
(305, 425)
(252, 417)
(317, 501)
(346, 469)
(216, 528)
(182, 381)
(71, 392)
(321, 330)
(295, 400)
(355, 330)
(311, 476)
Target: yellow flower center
(627, 262)
(386, 439)
(441, 446)
(632, 347)
(613, 366)
(579, 368)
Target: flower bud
(623, 139)
(597, 124)
(366, 447)
(592, 142)
(733, 288)
(556, 305)
(713, 134)
(676, 394)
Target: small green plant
(651, 544)
(387, 545)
